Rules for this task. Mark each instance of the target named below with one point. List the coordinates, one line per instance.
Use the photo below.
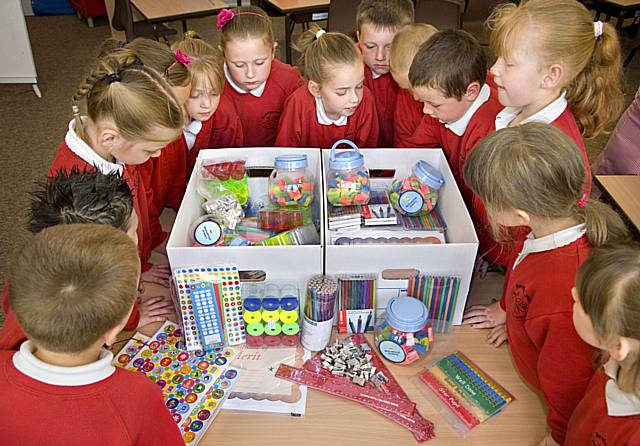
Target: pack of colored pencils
(356, 303)
(425, 221)
(439, 294)
(321, 298)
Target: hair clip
(597, 29)
(113, 77)
(582, 202)
(227, 15)
(319, 33)
(76, 110)
(181, 58)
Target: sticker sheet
(231, 302)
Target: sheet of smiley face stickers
(194, 384)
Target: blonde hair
(319, 55)
(608, 285)
(152, 54)
(244, 26)
(535, 167)
(136, 98)
(72, 283)
(385, 14)
(206, 61)
(562, 31)
(406, 43)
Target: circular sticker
(198, 388)
(231, 373)
(124, 358)
(203, 365)
(188, 383)
(411, 201)
(161, 383)
(154, 345)
(177, 379)
(182, 408)
(183, 356)
(191, 398)
(177, 418)
(188, 437)
(162, 337)
(172, 403)
(221, 360)
(207, 233)
(196, 426)
(185, 369)
(217, 394)
(391, 351)
(165, 362)
(147, 367)
(204, 414)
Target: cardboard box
(456, 257)
(280, 263)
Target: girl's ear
(274, 50)
(108, 135)
(358, 36)
(622, 347)
(314, 88)
(523, 218)
(553, 77)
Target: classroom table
(623, 192)
(620, 9)
(296, 11)
(167, 10)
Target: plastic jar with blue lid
(348, 178)
(404, 335)
(418, 192)
(291, 182)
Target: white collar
(547, 115)
(82, 149)
(375, 75)
(549, 242)
(619, 403)
(460, 126)
(257, 92)
(191, 131)
(323, 119)
(25, 361)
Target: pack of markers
(464, 394)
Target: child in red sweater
(555, 65)
(257, 83)
(84, 197)
(377, 22)
(74, 289)
(606, 315)
(532, 175)
(334, 104)
(408, 110)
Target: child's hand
(160, 274)
(548, 441)
(497, 336)
(484, 316)
(155, 309)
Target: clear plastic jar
(404, 336)
(418, 192)
(348, 178)
(291, 183)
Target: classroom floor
(31, 128)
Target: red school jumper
(407, 117)
(260, 116)
(385, 93)
(123, 409)
(11, 334)
(299, 126)
(591, 423)
(537, 300)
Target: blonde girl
(334, 104)
(532, 176)
(257, 83)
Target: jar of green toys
(291, 182)
(418, 192)
(348, 178)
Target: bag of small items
(223, 186)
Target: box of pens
(271, 314)
(356, 303)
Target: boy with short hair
(84, 197)
(73, 289)
(377, 22)
(408, 111)
(448, 75)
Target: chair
(123, 21)
(443, 14)
(342, 17)
(475, 14)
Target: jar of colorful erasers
(417, 192)
(348, 178)
(291, 182)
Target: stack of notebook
(345, 217)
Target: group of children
(512, 136)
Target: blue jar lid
(270, 303)
(346, 160)
(428, 174)
(291, 162)
(406, 314)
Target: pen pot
(319, 311)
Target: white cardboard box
(456, 257)
(280, 263)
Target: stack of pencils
(439, 294)
(321, 298)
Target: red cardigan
(407, 117)
(385, 93)
(299, 126)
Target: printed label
(392, 351)
(411, 201)
(208, 233)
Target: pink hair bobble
(597, 29)
(224, 17)
(182, 58)
(582, 202)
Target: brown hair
(136, 98)
(406, 43)
(72, 283)
(206, 61)
(152, 54)
(608, 285)
(384, 14)
(562, 31)
(244, 26)
(449, 61)
(535, 167)
(319, 55)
